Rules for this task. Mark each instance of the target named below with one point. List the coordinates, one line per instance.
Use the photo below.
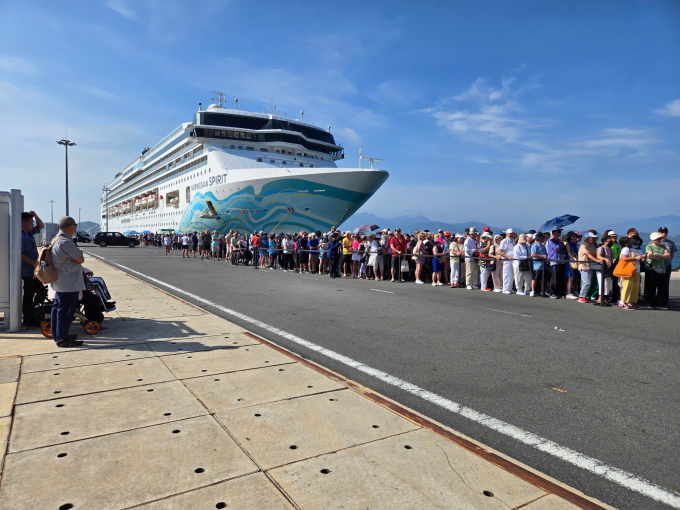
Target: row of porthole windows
(284, 162)
(197, 174)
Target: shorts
(570, 272)
(215, 249)
(263, 253)
(206, 247)
(185, 246)
(396, 262)
(304, 258)
(195, 246)
(347, 259)
(537, 275)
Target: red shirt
(398, 244)
(255, 241)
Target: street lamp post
(66, 143)
(106, 191)
(52, 210)
(78, 215)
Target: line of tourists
(585, 267)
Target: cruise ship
(234, 169)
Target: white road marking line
(385, 291)
(613, 474)
(509, 313)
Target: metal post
(106, 194)
(66, 144)
(16, 207)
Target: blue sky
(505, 112)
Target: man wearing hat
(557, 254)
(506, 251)
(471, 265)
(672, 249)
(69, 283)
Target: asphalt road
(606, 386)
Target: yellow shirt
(346, 246)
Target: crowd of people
(585, 267)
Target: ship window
(233, 146)
(283, 162)
(240, 147)
(250, 148)
(188, 194)
(259, 160)
(264, 150)
(301, 164)
(272, 161)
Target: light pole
(66, 143)
(78, 215)
(52, 210)
(106, 190)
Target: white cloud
(17, 65)
(349, 135)
(671, 109)
(123, 8)
(393, 92)
(96, 92)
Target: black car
(104, 239)
(83, 238)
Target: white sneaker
(402, 281)
(507, 292)
(434, 284)
(392, 280)
(439, 284)
(532, 293)
(571, 296)
(469, 287)
(498, 290)
(419, 282)
(521, 293)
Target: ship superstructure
(233, 169)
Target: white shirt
(288, 246)
(508, 246)
(186, 240)
(470, 246)
(168, 241)
(521, 251)
(375, 247)
(632, 253)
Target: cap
(472, 230)
(441, 230)
(655, 235)
(578, 233)
(663, 230)
(66, 221)
(397, 229)
(590, 234)
(612, 233)
(486, 229)
(486, 234)
(457, 235)
(439, 240)
(509, 231)
(447, 233)
(532, 232)
(384, 230)
(556, 230)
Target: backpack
(45, 271)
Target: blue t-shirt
(29, 249)
(538, 249)
(314, 245)
(272, 247)
(556, 251)
(194, 239)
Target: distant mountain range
(410, 223)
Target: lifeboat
(145, 201)
(138, 204)
(151, 202)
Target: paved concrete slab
(7, 392)
(38, 386)
(312, 425)
(162, 314)
(223, 360)
(201, 343)
(83, 357)
(254, 491)
(22, 344)
(71, 419)
(159, 329)
(414, 470)
(5, 424)
(122, 470)
(550, 502)
(9, 369)
(259, 386)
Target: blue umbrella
(558, 223)
(369, 227)
(130, 232)
(146, 232)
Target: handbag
(404, 266)
(624, 269)
(371, 259)
(491, 265)
(525, 264)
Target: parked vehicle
(104, 239)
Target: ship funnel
(329, 129)
(302, 114)
(236, 101)
(200, 107)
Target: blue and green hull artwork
(284, 205)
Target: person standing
(557, 254)
(186, 240)
(471, 265)
(456, 251)
(29, 260)
(484, 249)
(672, 249)
(497, 273)
(506, 251)
(334, 250)
(313, 253)
(631, 286)
(522, 256)
(68, 284)
(587, 255)
(194, 243)
(656, 285)
(538, 253)
(168, 243)
(398, 247)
